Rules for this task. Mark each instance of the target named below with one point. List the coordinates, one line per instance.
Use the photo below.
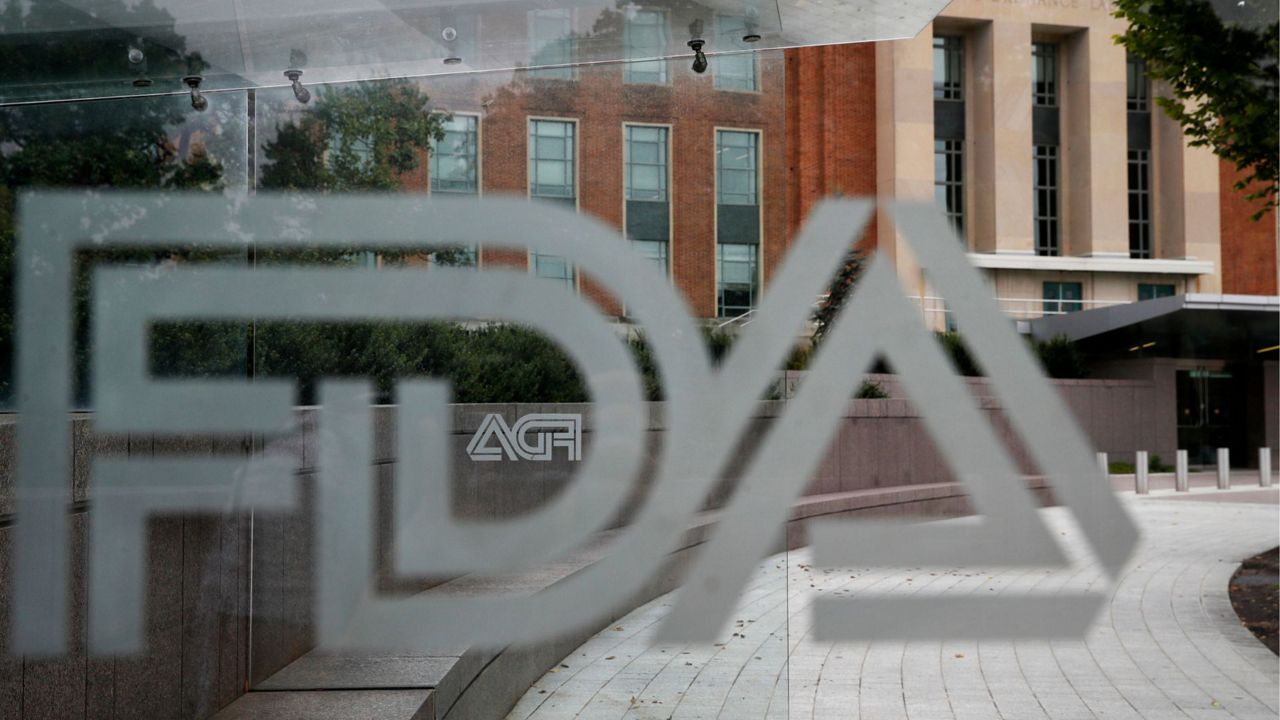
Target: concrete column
(1001, 137)
(1180, 472)
(1224, 469)
(1141, 479)
(1264, 467)
(1095, 145)
(1104, 467)
(1187, 215)
(904, 138)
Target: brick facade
(601, 102)
(831, 122)
(1248, 246)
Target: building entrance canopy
(1187, 326)
(82, 49)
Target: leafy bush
(718, 343)
(1154, 464)
(871, 390)
(1060, 357)
(955, 349)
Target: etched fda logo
(707, 411)
(495, 440)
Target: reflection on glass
(158, 143)
(553, 176)
(551, 42)
(645, 36)
(736, 273)
(736, 71)
(948, 67)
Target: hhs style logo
(707, 410)
(494, 440)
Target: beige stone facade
(997, 37)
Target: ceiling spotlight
(699, 59)
(198, 100)
(751, 37)
(302, 94)
(452, 60)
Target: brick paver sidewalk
(1166, 646)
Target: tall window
(552, 178)
(454, 158)
(551, 42)
(1047, 222)
(949, 128)
(948, 180)
(1138, 138)
(737, 220)
(1062, 297)
(1045, 151)
(738, 70)
(551, 160)
(948, 68)
(736, 167)
(736, 272)
(645, 36)
(1044, 83)
(1139, 203)
(454, 169)
(1138, 90)
(645, 184)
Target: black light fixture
(301, 93)
(138, 64)
(198, 101)
(751, 37)
(699, 59)
(450, 34)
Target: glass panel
(948, 180)
(455, 158)
(948, 67)
(327, 458)
(1046, 200)
(146, 143)
(646, 163)
(736, 71)
(551, 42)
(1137, 88)
(736, 167)
(1044, 74)
(646, 37)
(737, 272)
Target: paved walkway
(1167, 645)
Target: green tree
(841, 286)
(1222, 78)
(364, 137)
(140, 143)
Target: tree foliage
(1222, 79)
(138, 143)
(841, 286)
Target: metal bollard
(1103, 466)
(1180, 472)
(1224, 469)
(1264, 467)
(1141, 480)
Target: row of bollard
(1142, 475)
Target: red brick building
(1248, 245)
(688, 115)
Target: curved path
(1167, 645)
